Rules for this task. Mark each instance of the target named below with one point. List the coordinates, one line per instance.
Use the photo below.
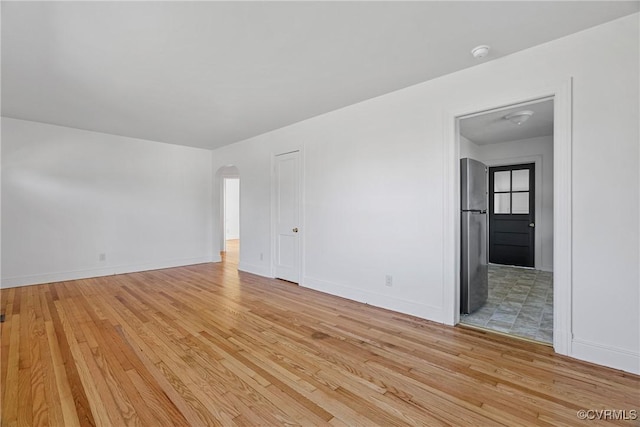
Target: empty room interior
(320, 213)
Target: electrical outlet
(388, 280)
(261, 256)
(102, 257)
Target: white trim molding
(561, 93)
(259, 270)
(423, 311)
(620, 358)
(562, 219)
(63, 276)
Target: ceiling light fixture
(480, 51)
(519, 117)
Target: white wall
(374, 177)
(468, 149)
(540, 151)
(69, 195)
(232, 208)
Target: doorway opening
(517, 270)
(231, 218)
(229, 225)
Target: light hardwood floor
(206, 345)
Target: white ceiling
(492, 127)
(206, 74)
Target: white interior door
(287, 215)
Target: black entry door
(512, 214)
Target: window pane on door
(520, 180)
(501, 203)
(502, 181)
(520, 203)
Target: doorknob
(295, 230)
(532, 224)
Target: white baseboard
(562, 341)
(378, 300)
(260, 270)
(613, 357)
(38, 279)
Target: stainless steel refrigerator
(474, 280)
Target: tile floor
(520, 303)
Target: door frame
(561, 93)
(537, 196)
(301, 215)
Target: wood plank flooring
(206, 345)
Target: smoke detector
(480, 51)
(519, 117)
